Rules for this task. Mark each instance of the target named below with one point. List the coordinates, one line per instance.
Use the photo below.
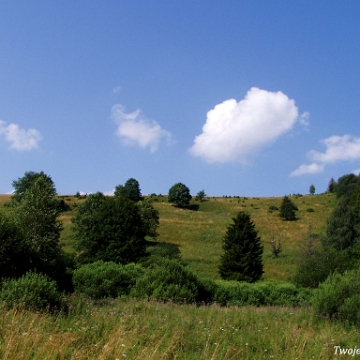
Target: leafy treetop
(179, 194)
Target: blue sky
(249, 98)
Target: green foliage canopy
(101, 279)
(200, 195)
(149, 217)
(179, 194)
(109, 229)
(24, 183)
(37, 217)
(131, 190)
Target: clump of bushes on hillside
(169, 279)
(339, 297)
(262, 294)
(32, 291)
(101, 279)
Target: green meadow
(197, 232)
(149, 329)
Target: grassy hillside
(140, 329)
(197, 232)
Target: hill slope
(197, 232)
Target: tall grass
(152, 330)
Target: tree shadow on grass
(192, 207)
(163, 249)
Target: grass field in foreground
(151, 330)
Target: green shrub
(32, 291)
(272, 208)
(339, 297)
(168, 279)
(261, 293)
(310, 210)
(101, 279)
(316, 268)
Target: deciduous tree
(179, 194)
(131, 190)
(109, 229)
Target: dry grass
(153, 330)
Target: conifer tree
(242, 258)
(287, 209)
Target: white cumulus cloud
(234, 130)
(19, 139)
(338, 148)
(308, 169)
(135, 128)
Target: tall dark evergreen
(242, 258)
(331, 186)
(287, 209)
(341, 227)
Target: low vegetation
(156, 285)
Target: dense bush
(316, 268)
(14, 251)
(168, 279)
(272, 208)
(339, 297)
(32, 291)
(105, 279)
(261, 293)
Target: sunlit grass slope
(198, 230)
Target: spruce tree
(242, 258)
(287, 209)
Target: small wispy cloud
(116, 89)
(235, 130)
(338, 148)
(135, 128)
(304, 119)
(20, 139)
